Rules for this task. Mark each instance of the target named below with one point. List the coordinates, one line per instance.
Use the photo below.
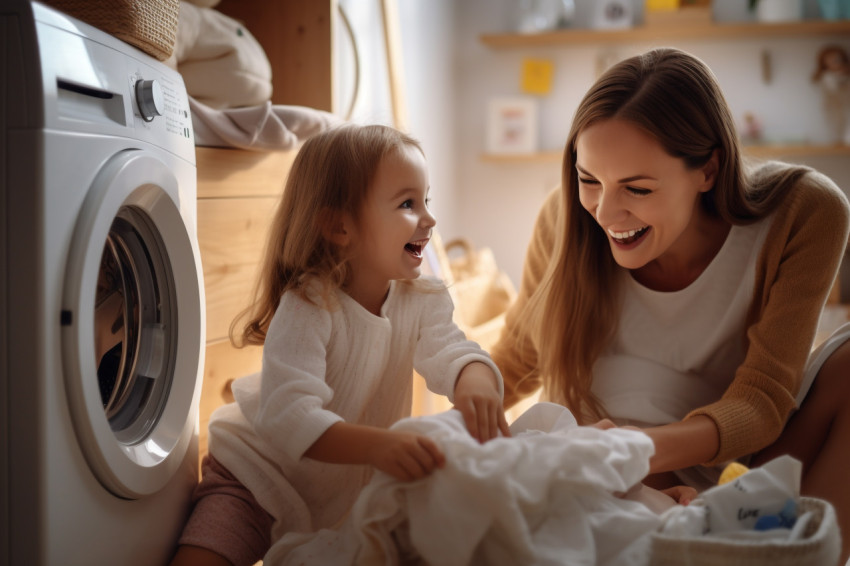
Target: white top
(322, 365)
(677, 351)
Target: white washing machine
(101, 295)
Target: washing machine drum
(132, 326)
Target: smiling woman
(672, 287)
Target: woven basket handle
(462, 243)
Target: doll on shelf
(833, 76)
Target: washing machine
(101, 295)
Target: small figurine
(751, 133)
(833, 75)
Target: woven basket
(150, 25)
(820, 545)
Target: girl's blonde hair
(331, 175)
(675, 98)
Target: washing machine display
(101, 297)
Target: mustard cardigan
(796, 269)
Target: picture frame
(512, 125)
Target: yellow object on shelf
(732, 471)
(661, 5)
(537, 76)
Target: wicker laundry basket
(150, 25)
(820, 545)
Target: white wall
(450, 76)
(499, 201)
(427, 38)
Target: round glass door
(133, 327)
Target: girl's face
(394, 224)
(645, 200)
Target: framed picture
(512, 125)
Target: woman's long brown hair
(675, 98)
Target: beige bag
(481, 292)
(820, 546)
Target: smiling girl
(344, 318)
(670, 287)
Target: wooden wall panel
(232, 235)
(297, 36)
(224, 173)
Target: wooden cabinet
(238, 190)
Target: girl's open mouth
(415, 248)
(628, 237)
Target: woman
(688, 286)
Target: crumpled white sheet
(263, 127)
(545, 496)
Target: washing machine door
(132, 326)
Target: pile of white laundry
(553, 493)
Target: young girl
(668, 286)
(343, 318)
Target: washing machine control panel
(103, 86)
(161, 107)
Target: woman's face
(645, 200)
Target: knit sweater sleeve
(796, 269)
(290, 415)
(514, 353)
(442, 349)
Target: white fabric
(263, 127)
(677, 351)
(691, 341)
(222, 64)
(541, 497)
(839, 336)
(722, 526)
(736, 506)
(323, 364)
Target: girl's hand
(406, 456)
(478, 400)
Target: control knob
(149, 98)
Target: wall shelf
(652, 33)
(761, 151)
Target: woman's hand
(477, 398)
(406, 456)
(681, 494)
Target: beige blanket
(264, 127)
